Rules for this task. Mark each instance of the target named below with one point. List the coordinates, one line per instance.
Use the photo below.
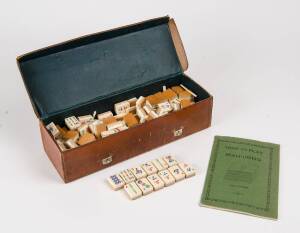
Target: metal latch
(107, 160)
(178, 132)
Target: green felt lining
(99, 67)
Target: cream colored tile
(132, 190)
(156, 181)
(138, 172)
(166, 177)
(177, 173)
(145, 186)
(127, 176)
(149, 168)
(187, 169)
(115, 182)
(170, 160)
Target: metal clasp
(107, 160)
(178, 132)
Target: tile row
(150, 176)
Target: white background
(246, 53)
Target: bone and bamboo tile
(133, 191)
(149, 168)
(83, 129)
(127, 176)
(122, 107)
(187, 169)
(138, 172)
(170, 160)
(156, 181)
(71, 144)
(163, 162)
(104, 115)
(72, 123)
(137, 182)
(144, 185)
(85, 118)
(129, 113)
(115, 182)
(115, 125)
(167, 177)
(158, 165)
(53, 130)
(177, 173)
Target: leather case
(96, 71)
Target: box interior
(81, 71)
(107, 104)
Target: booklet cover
(243, 176)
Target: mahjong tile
(145, 186)
(170, 160)
(158, 165)
(187, 169)
(166, 177)
(127, 176)
(156, 181)
(138, 172)
(133, 191)
(116, 182)
(163, 163)
(149, 168)
(177, 173)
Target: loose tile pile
(150, 176)
(129, 113)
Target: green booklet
(242, 176)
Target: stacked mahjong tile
(129, 113)
(150, 176)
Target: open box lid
(93, 67)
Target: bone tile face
(187, 169)
(132, 191)
(156, 181)
(115, 182)
(115, 125)
(170, 160)
(61, 144)
(53, 129)
(163, 163)
(145, 186)
(85, 119)
(149, 168)
(138, 172)
(83, 129)
(132, 101)
(127, 176)
(177, 173)
(72, 123)
(93, 126)
(104, 115)
(140, 102)
(158, 165)
(166, 177)
(122, 107)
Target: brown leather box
(96, 71)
